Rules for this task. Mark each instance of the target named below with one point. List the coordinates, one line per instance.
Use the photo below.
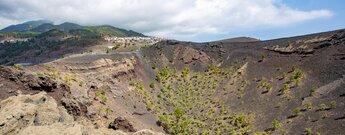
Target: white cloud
(173, 18)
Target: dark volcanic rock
(13, 80)
(42, 83)
(335, 39)
(33, 82)
(121, 124)
(74, 107)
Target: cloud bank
(173, 18)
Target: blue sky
(192, 20)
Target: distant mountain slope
(42, 26)
(239, 40)
(24, 27)
(53, 33)
(67, 26)
(112, 31)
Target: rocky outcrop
(303, 49)
(30, 83)
(68, 129)
(335, 39)
(20, 112)
(40, 115)
(189, 55)
(74, 107)
(121, 124)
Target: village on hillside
(125, 41)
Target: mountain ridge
(41, 26)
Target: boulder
(121, 124)
(74, 107)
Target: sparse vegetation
(323, 107)
(298, 111)
(116, 46)
(284, 75)
(108, 111)
(191, 99)
(296, 77)
(263, 57)
(293, 68)
(104, 98)
(276, 124)
(154, 66)
(284, 89)
(312, 91)
(18, 67)
(308, 131)
(333, 104)
(308, 105)
(39, 75)
(97, 94)
(153, 85)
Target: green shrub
(108, 111)
(323, 107)
(284, 75)
(100, 110)
(285, 88)
(212, 67)
(40, 75)
(263, 57)
(18, 67)
(104, 98)
(242, 120)
(163, 75)
(103, 91)
(154, 66)
(308, 131)
(153, 84)
(276, 124)
(52, 76)
(309, 105)
(293, 68)
(178, 112)
(298, 111)
(116, 46)
(312, 91)
(333, 104)
(268, 87)
(185, 71)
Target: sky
(192, 20)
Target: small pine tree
(276, 124)
(97, 94)
(104, 99)
(298, 111)
(153, 85)
(333, 104)
(108, 111)
(323, 107)
(308, 131)
(309, 105)
(284, 75)
(18, 67)
(185, 71)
